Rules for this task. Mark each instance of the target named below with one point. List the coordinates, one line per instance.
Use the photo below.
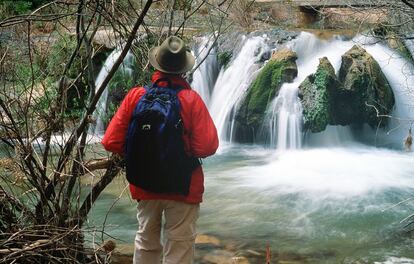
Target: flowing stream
(330, 197)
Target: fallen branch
(97, 164)
(114, 168)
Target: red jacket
(200, 135)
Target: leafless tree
(48, 57)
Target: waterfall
(224, 92)
(286, 118)
(233, 81)
(125, 67)
(285, 111)
(205, 76)
(400, 75)
(285, 115)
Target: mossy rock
(316, 94)
(365, 90)
(263, 90)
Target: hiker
(179, 199)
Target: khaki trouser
(179, 232)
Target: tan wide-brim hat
(171, 56)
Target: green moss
(261, 92)
(317, 98)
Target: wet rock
(265, 56)
(224, 257)
(249, 117)
(240, 260)
(206, 241)
(364, 91)
(106, 38)
(121, 258)
(316, 94)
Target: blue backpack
(154, 149)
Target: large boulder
(364, 90)
(279, 69)
(316, 94)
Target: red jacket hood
(175, 79)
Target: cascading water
(409, 43)
(400, 75)
(126, 68)
(285, 116)
(233, 82)
(205, 76)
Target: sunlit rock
(365, 90)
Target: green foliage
(18, 7)
(57, 59)
(60, 54)
(224, 58)
(23, 74)
(49, 95)
(123, 80)
(75, 106)
(9, 8)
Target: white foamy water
(396, 260)
(205, 76)
(233, 82)
(409, 43)
(332, 173)
(400, 75)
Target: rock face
(316, 93)
(280, 68)
(353, 98)
(363, 84)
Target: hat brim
(190, 61)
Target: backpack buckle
(179, 124)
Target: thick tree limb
(408, 3)
(114, 168)
(98, 164)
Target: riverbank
(212, 250)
